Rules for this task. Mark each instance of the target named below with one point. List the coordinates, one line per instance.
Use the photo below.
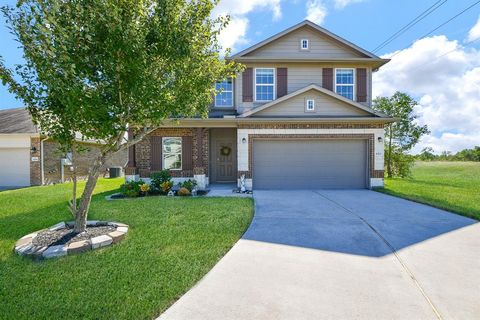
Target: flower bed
(60, 240)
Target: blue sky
(367, 23)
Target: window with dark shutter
(247, 85)
(327, 78)
(361, 85)
(282, 82)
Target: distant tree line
(428, 154)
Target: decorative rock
(25, 249)
(79, 246)
(58, 226)
(31, 235)
(101, 241)
(122, 229)
(23, 242)
(116, 236)
(55, 251)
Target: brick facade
(200, 137)
(53, 156)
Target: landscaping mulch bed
(66, 236)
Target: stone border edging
(25, 247)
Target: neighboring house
(28, 158)
(298, 117)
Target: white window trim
(233, 97)
(181, 155)
(301, 44)
(354, 85)
(262, 84)
(313, 105)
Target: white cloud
(316, 11)
(474, 33)
(447, 87)
(340, 4)
(236, 31)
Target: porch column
(200, 159)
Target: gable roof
(323, 31)
(321, 90)
(16, 120)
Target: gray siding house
(298, 117)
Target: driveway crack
(392, 248)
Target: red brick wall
(200, 137)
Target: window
(310, 105)
(345, 83)
(172, 153)
(304, 44)
(224, 97)
(264, 84)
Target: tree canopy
(97, 68)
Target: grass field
(453, 186)
(171, 244)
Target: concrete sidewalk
(342, 255)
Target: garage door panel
(309, 164)
(14, 167)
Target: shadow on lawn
(15, 226)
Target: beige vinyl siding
(299, 76)
(320, 47)
(324, 106)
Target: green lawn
(453, 186)
(171, 244)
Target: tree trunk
(389, 158)
(82, 210)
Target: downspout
(42, 162)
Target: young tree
(99, 68)
(400, 136)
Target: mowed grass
(171, 244)
(453, 186)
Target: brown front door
(224, 155)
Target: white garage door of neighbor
(14, 167)
(309, 164)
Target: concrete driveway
(353, 254)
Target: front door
(224, 155)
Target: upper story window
(264, 84)
(304, 44)
(345, 82)
(172, 153)
(224, 97)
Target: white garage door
(14, 167)
(309, 164)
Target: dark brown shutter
(187, 153)
(361, 85)
(247, 85)
(281, 82)
(155, 153)
(327, 78)
(131, 151)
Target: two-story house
(298, 117)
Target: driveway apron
(349, 254)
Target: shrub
(188, 184)
(159, 178)
(166, 186)
(183, 192)
(131, 188)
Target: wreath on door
(225, 151)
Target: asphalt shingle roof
(16, 121)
